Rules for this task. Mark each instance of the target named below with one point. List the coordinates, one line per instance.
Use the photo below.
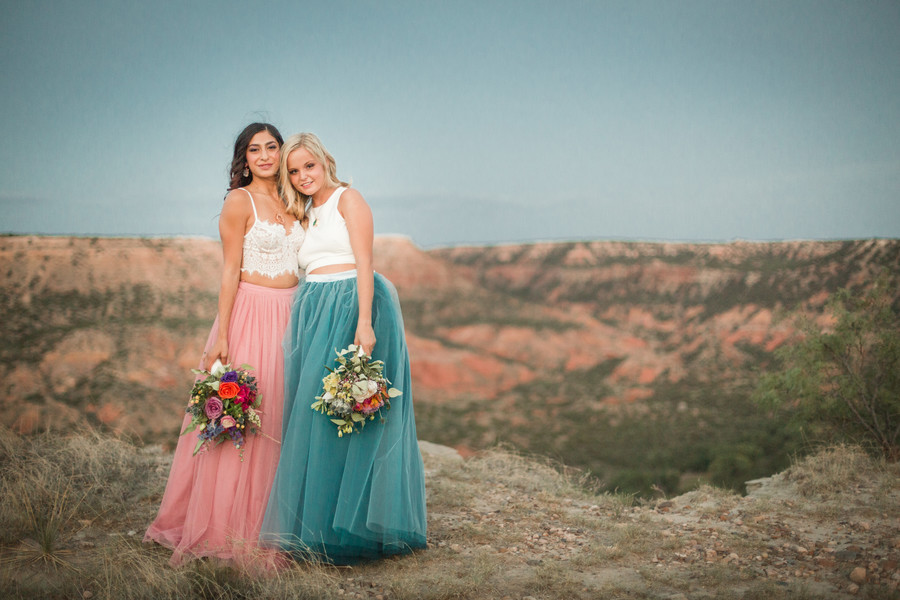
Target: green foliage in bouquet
(354, 391)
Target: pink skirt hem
(214, 502)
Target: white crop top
(327, 239)
(269, 249)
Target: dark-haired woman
(214, 502)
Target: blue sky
(464, 122)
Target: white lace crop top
(269, 249)
(327, 239)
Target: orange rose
(228, 389)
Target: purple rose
(213, 408)
(231, 376)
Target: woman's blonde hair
(294, 201)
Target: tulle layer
(214, 503)
(361, 495)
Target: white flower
(217, 369)
(363, 389)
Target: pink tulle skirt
(214, 502)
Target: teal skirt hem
(360, 496)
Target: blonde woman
(214, 502)
(362, 495)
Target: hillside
(634, 360)
(501, 526)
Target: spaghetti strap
(253, 204)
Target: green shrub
(843, 382)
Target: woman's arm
(232, 225)
(358, 217)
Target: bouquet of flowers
(223, 405)
(354, 391)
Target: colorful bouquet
(223, 405)
(354, 391)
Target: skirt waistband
(323, 277)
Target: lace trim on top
(269, 249)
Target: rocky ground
(503, 526)
(785, 538)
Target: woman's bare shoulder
(237, 202)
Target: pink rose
(228, 422)
(213, 408)
(369, 405)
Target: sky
(463, 122)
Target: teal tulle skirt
(342, 499)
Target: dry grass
(472, 579)
(633, 538)
(48, 494)
(834, 470)
(48, 516)
(553, 582)
(771, 590)
(501, 525)
(710, 501)
(830, 483)
(530, 474)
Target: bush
(844, 381)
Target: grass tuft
(48, 513)
(531, 474)
(833, 470)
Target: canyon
(634, 360)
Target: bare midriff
(280, 282)
(333, 269)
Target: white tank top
(269, 249)
(327, 239)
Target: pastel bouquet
(354, 391)
(223, 406)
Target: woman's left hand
(365, 337)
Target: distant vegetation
(843, 382)
(681, 437)
(704, 427)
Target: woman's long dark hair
(239, 160)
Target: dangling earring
(246, 172)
